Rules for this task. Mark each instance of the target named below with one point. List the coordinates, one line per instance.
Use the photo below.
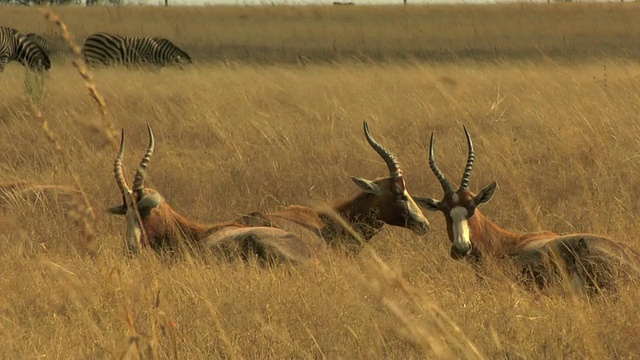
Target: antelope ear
(367, 186)
(485, 194)
(118, 210)
(427, 203)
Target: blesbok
(152, 222)
(587, 262)
(382, 201)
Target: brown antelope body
(381, 201)
(152, 222)
(587, 262)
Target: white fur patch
(460, 227)
(455, 198)
(134, 233)
(413, 207)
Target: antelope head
(458, 206)
(388, 197)
(143, 208)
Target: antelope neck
(487, 236)
(176, 226)
(358, 213)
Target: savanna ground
(270, 115)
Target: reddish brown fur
(587, 261)
(164, 227)
(544, 256)
(382, 201)
(366, 213)
(486, 236)
(166, 230)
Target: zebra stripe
(16, 46)
(110, 49)
(48, 46)
(169, 54)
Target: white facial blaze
(460, 227)
(415, 211)
(134, 233)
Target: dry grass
(559, 137)
(321, 34)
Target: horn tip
(151, 137)
(468, 135)
(122, 140)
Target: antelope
(152, 222)
(381, 201)
(590, 263)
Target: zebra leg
(4, 60)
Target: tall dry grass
(559, 137)
(326, 34)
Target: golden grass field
(558, 132)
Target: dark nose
(422, 228)
(460, 252)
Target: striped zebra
(110, 49)
(169, 53)
(15, 45)
(48, 46)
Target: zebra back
(50, 47)
(14, 45)
(111, 49)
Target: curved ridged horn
(138, 183)
(464, 184)
(446, 186)
(117, 168)
(394, 166)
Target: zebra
(15, 45)
(47, 45)
(169, 53)
(111, 49)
